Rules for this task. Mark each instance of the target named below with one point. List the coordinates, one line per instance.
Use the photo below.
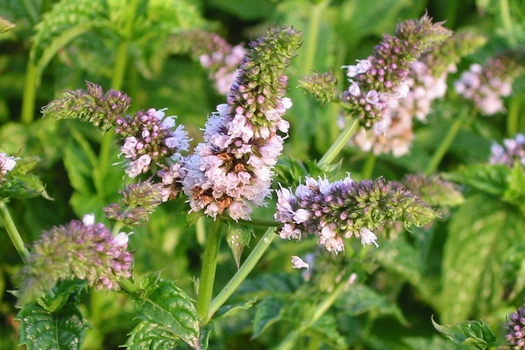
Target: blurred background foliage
(57, 45)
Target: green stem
(200, 227)
(243, 272)
(341, 141)
(28, 99)
(31, 10)
(506, 20)
(446, 143)
(129, 287)
(209, 266)
(313, 35)
(368, 168)
(513, 116)
(116, 229)
(12, 231)
(292, 337)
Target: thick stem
(243, 272)
(506, 20)
(368, 168)
(341, 141)
(129, 287)
(116, 228)
(12, 231)
(292, 337)
(446, 143)
(209, 266)
(28, 99)
(513, 116)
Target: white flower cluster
(476, 84)
(424, 88)
(233, 168)
(227, 65)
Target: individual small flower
(299, 263)
(89, 105)
(512, 150)
(7, 163)
(215, 54)
(232, 170)
(485, 85)
(345, 208)
(378, 82)
(516, 329)
(150, 139)
(83, 250)
(321, 86)
(139, 201)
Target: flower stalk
(12, 231)
(209, 266)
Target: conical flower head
(433, 190)
(83, 250)
(379, 81)
(345, 208)
(90, 105)
(231, 171)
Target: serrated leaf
(169, 306)
(325, 329)
(23, 186)
(474, 333)
(62, 293)
(435, 343)
(269, 310)
(479, 235)
(489, 178)
(231, 310)
(238, 237)
(43, 330)
(400, 257)
(149, 335)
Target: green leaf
(19, 183)
(479, 235)
(474, 333)
(62, 292)
(400, 257)
(149, 335)
(170, 307)
(231, 310)
(359, 299)
(435, 343)
(515, 189)
(269, 310)
(247, 10)
(41, 329)
(238, 237)
(325, 329)
(489, 178)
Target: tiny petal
(299, 263)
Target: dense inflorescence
(150, 139)
(139, 202)
(83, 250)
(516, 329)
(427, 81)
(379, 81)
(90, 105)
(232, 169)
(346, 208)
(322, 86)
(512, 151)
(486, 84)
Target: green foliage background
(467, 265)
